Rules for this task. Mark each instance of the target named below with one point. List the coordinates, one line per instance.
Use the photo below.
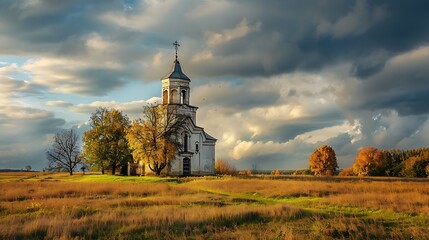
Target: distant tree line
(394, 163)
(372, 162)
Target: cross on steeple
(176, 46)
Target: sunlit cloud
(241, 30)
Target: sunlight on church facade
(197, 153)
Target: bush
(347, 172)
(222, 167)
(303, 172)
(245, 173)
(276, 172)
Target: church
(197, 154)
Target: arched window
(183, 97)
(197, 147)
(185, 143)
(165, 97)
(173, 96)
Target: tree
(416, 166)
(371, 162)
(105, 145)
(323, 161)
(27, 168)
(155, 139)
(64, 154)
(222, 167)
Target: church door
(186, 166)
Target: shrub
(303, 172)
(245, 173)
(222, 167)
(276, 172)
(347, 172)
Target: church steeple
(175, 85)
(176, 70)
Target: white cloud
(145, 16)
(227, 35)
(157, 59)
(133, 109)
(324, 134)
(202, 56)
(98, 43)
(58, 103)
(66, 75)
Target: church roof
(209, 137)
(176, 72)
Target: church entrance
(186, 166)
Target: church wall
(208, 158)
(176, 166)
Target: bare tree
(65, 151)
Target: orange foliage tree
(224, 168)
(371, 162)
(323, 161)
(154, 140)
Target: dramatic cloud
(273, 79)
(402, 85)
(227, 35)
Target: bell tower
(176, 90)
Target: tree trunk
(113, 169)
(71, 172)
(102, 171)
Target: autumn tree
(222, 167)
(323, 161)
(64, 154)
(416, 166)
(155, 139)
(105, 144)
(371, 162)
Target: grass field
(58, 206)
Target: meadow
(58, 206)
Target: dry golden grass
(210, 208)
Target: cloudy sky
(273, 79)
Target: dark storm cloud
(42, 26)
(402, 85)
(238, 97)
(252, 38)
(289, 39)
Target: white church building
(197, 155)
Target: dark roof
(176, 72)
